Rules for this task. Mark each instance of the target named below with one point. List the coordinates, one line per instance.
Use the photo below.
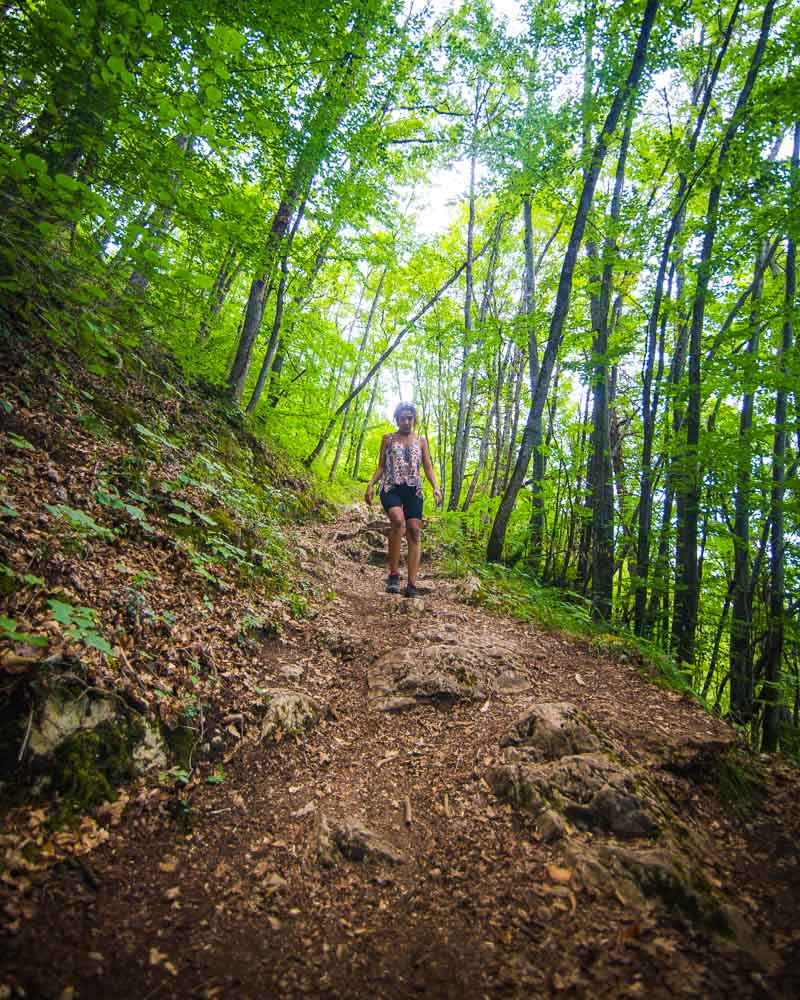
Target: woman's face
(405, 421)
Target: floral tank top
(402, 465)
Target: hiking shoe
(411, 591)
(393, 583)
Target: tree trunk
(532, 435)
(689, 486)
(649, 411)
(361, 349)
(602, 475)
(536, 528)
(741, 653)
(460, 444)
(228, 273)
(774, 656)
(364, 426)
(387, 353)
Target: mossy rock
(181, 740)
(89, 766)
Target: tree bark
(602, 474)
(775, 639)
(361, 349)
(532, 436)
(741, 653)
(649, 408)
(689, 486)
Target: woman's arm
(379, 471)
(427, 465)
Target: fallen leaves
(558, 874)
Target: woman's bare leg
(397, 524)
(414, 538)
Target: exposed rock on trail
(588, 789)
(354, 842)
(442, 673)
(550, 731)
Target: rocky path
(478, 810)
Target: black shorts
(400, 495)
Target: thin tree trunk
(228, 273)
(775, 640)
(649, 411)
(603, 483)
(364, 426)
(741, 653)
(361, 349)
(536, 529)
(530, 440)
(689, 486)
(272, 346)
(460, 445)
(387, 353)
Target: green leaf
(20, 442)
(180, 518)
(62, 612)
(97, 642)
(9, 627)
(213, 96)
(116, 65)
(7, 511)
(36, 163)
(79, 519)
(67, 182)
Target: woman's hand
(368, 496)
(438, 495)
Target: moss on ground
(89, 766)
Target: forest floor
(234, 895)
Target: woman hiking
(402, 455)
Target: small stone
(551, 826)
(290, 713)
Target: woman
(402, 454)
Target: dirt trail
(231, 900)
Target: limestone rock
(150, 752)
(469, 587)
(551, 826)
(444, 633)
(589, 789)
(512, 682)
(552, 730)
(638, 876)
(63, 714)
(352, 840)
(358, 843)
(441, 673)
(290, 712)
